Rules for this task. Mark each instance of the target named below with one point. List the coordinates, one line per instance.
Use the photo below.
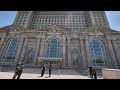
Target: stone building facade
(94, 45)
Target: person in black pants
(94, 73)
(16, 70)
(19, 70)
(43, 70)
(50, 69)
(90, 71)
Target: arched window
(75, 57)
(98, 53)
(53, 48)
(10, 50)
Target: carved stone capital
(26, 37)
(43, 38)
(3, 35)
(86, 38)
(81, 38)
(108, 38)
(68, 38)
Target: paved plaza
(34, 73)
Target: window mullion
(49, 48)
(93, 52)
(57, 49)
(101, 50)
(14, 51)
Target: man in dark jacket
(19, 70)
(94, 73)
(43, 70)
(50, 69)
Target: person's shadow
(40, 76)
(47, 77)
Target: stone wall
(111, 73)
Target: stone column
(69, 52)
(117, 52)
(88, 51)
(28, 18)
(24, 49)
(2, 43)
(112, 54)
(42, 47)
(64, 52)
(19, 50)
(108, 57)
(36, 52)
(82, 53)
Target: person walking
(50, 69)
(94, 73)
(90, 70)
(43, 70)
(18, 70)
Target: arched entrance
(75, 58)
(53, 54)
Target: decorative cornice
(13, 27)
(54, 29)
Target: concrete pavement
(34, 73)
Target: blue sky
(7, 18)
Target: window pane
(53, 48)
(98, 52)
(10, 50)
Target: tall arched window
(53, 48)
(98, 53)
(10, 50)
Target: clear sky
(7, 18)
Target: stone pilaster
(2, 41)
(82, 54)
(19, 50)
(88, 51)
(24, 49)
(112, 54)
(117, 52)
(36, 52)
(69, 52)
(108, 57)
(64, 52)
(42, 47)
(28, 18)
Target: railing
(100, 64)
